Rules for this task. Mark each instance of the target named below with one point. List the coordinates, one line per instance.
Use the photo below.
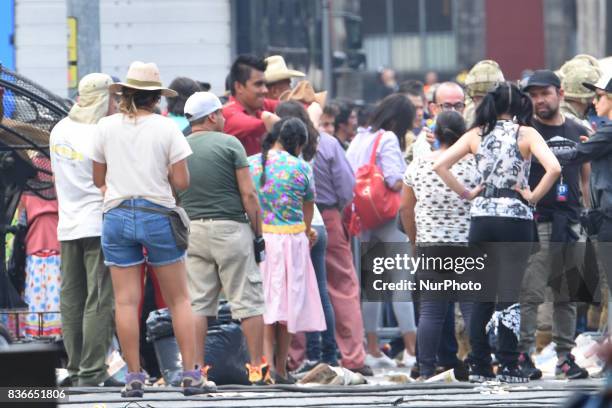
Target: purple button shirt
(332, 173)
(389, 155)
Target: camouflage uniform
(571, 83)
(482, 78)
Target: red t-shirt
(42, 218)
(248, 129)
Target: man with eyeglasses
(447, 96)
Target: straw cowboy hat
(304, 93)
(145, 77)
(277, 70)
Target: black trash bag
(161, 334)
(227, 354)
(226, 350)
(159, 325)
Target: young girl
(286, 193)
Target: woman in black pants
(598, 150)
(501, 217)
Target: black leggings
(509, 263)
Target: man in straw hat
(249, 113)
(278, 76)
(86, 303)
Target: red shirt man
(249, 129)
(249, 114)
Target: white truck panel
(184, 37)
(41, 38)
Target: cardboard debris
(326, 375)
(446, 376)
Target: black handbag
(591, 221)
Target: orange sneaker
(259, 375)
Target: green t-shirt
(213, 191)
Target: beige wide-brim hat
(304, 92)
(145, 77)
(277, 70)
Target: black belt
(494, 192)
(323, 207)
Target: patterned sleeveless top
(499, 163)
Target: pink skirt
(290, 286)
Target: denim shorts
(126, 232)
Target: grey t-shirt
(213, 192)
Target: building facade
(199, 38)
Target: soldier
(579, 99)
(483, 77)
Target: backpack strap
(376, 143)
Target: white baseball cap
(604, 83)
(201, 104)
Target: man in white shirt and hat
(86, 300)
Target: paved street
(548, 393)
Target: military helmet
(580, 60)
(573, 79)
(483, 77)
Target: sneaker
(66, 382)
(111, 382)
(528, 368)
(134, 385)
(279, 379)
(259, 375)
(511, 374)
(364, 370)
(380, 362)
(480, 374)
(568, 369)
(196, 382)
(460, 370)
(305, 367)
(408, 360)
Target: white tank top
(499, 163)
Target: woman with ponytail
(437, 222)
(286, 193)
(501, 212)
(139, 158)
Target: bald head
(448, 96)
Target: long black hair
(295, 109)
(450, 126)
(506, 98)
(395, 114)
(290, 132)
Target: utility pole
(390, 31)
(83, 41)
(326, 48)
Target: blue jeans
(321, 346)
(436, 334)
(126, 231)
